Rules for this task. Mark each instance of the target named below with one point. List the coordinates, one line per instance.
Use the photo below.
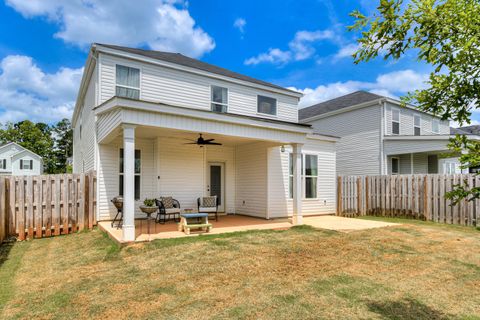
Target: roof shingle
(345, 101)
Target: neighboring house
(379, 136)
(18, 161)
(138, 111)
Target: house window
(395, 121)
(395, 165)
(417, 120)
(128, 82)
(219, 99)
(3, 164)
(450, 167)
(26, 164)
(266, 105)
(138, 168)
(435, 126)
(309, 176)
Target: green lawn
(412, 271)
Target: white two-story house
(380, 136)
(18, 161)
(138, 119)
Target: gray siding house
(379, 136)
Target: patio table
(185, 226)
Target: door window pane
(395, 165)
(310, 187)
(138, 168)
(216, 182)
(311, 163)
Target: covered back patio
(146, 151)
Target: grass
(412, 271)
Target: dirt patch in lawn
(404, 272)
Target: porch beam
(128, 226)
(297, 184)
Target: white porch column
(128, 226)
(297, 184)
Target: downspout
(383, 105)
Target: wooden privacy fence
(414, 196)
(46, 205)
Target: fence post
(426, 196)
(3, 209)
(339, 195)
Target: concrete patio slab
(344, 224)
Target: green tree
(444, 34)
(63, 138)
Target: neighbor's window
(395, 121)
(309, 176)
(219, 99)
(3, 164)
(417, 128)
(395, 165)
(128, 82)
(26, 164)
(138, 168)
(450, 167)
(435, 126)
(266, 105)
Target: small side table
(148, 211)
(185, 226)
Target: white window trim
(222, 104)
(129, 65)
(391, 165)
(415, 126)
(434, 120)
(135, 174)
(267, 114)
(399, 122)
(303, 178)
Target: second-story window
(435, 126)
(128, 82)
(266, 105)
(219, 99)
(417, 127)
(395, 121)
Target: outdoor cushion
(207, 209)
(167, 202)
(209, 201)
(172, 210)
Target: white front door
(216, 182)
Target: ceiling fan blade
(191, 143)
(208, 140)
(214, 143)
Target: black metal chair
(167, 213)
(208, 209)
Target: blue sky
(299, 44)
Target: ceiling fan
(202, 142)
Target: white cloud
(27, 92)
(346, 51)
(390, 84)
(300, 48)
(240, 23)
(159, 24)
(274, 56)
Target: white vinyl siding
(84, 147)
(358, 150)
(407, 122)
(279, 202)
(251, 173)
(180, 88)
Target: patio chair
(167, 208)
(208, 205)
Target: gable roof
(345, 101)
(21, 149)
(182, 60)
